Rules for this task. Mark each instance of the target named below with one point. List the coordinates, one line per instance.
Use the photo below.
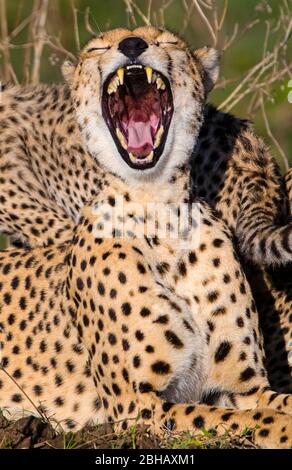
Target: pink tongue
(140, 141)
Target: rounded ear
(209, 58)
(68, 70)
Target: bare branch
(76, 29)
(87, 22)
(272, 137)
(39, 44)
(55, 44)
(206, 21)
(4, 37)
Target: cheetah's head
(139, 98)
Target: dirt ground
(34, 433)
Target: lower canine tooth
(121, 138)
(149, 157)
(158, 136)
(132, 158)
(160, 83)
(148, 71)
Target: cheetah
(48, 175)
(118, 323)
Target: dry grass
(35, 433)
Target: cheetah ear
(68, 70)
(209, 58)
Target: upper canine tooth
(149, 72)
(120, 73)
(160, 83)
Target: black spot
(122, 278)
(213, 296)
(126, 308)
(225, 417)
(145, 387)
(162, 319)
(217, 242)
(116, 389)
(199, 422)
(112, 339)
(160, 367)
(139, 335)
(167, 406)
(80, 284)
(222, 351)
(182, 269)
(264, 432)
(141, 268)
(247, 374)
(189, 409)
(145, 312)
(101, 288)
(136, 361)
(173, 339)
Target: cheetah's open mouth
(137, 107)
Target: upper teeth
(113, 85)
(118, 78)
(134, 66)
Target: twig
(272, 137)
(229, 41)
(55, 44)
(4, 35)
(23, 391)
(87, 22)
(130, 12)
(133, 6)
(39, 35)
(252, 71)
(149, 10)
(28, 20)
(27, 51)
(206, 21)
(76, 29)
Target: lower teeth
(148, 158)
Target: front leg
(223, 307)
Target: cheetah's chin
(137, 107)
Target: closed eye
(93, 49)
(158, 43)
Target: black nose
(132, 47)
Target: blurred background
(254, 37)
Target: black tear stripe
(100, 72)
(285, 240)
(169, 66)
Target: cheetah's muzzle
(137, 107)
